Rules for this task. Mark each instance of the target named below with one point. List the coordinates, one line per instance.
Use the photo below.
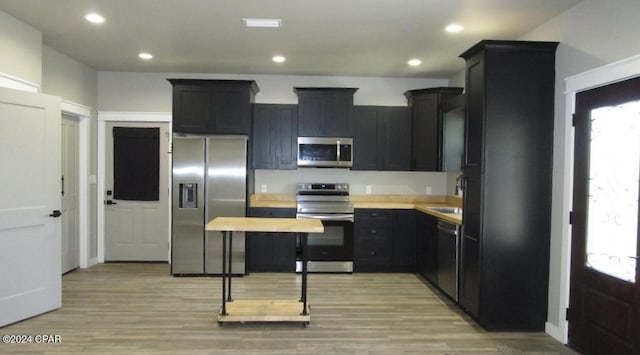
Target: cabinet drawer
(373, 217)
(371, 232)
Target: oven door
(335, 244)
(331, 251)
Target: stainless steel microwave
(325, 152)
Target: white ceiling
(318, 37)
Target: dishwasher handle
(447, 227)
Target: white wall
(21, 48)
(381, 182)
(151, 92)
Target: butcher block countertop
(420, 203)
(255, 224)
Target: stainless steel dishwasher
(448, 255)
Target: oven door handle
(324, 217)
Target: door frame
(83, 115)
(617, 71)
(120, 116)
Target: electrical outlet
(368, 189)
(428, 190)
(263, 188)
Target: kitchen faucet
(459, 186)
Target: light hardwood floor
(139, 308)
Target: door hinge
(573, 119)
(570, 217)
(567, 313)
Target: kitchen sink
(446, 209)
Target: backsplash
(362, 182)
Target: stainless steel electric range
(331, 251)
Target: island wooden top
(255, 224)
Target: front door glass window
(614, 169)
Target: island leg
(230, 275)
(224, 272)
(304, 274)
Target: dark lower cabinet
(271, 252)
(404, 241)
(508, 169)
(372, 242)
(384, 240)
(469, 275)
(427, 246)
(274, 137)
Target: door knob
(55, 214)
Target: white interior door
(137, 230)
(70, 194)
(30, 273)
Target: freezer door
(226, 197)
(188, 206)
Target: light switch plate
(368, 189)
(263, 188)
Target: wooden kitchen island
(263, 310)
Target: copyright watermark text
(31, 339)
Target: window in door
(614, 169)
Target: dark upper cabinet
(427, 108)
(382, 138)
(212, 106)
(325, 112)
(508, 169)
(274, 136)
(453, 134)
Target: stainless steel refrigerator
(209, 180)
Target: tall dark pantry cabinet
(508, 172)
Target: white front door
(70, 194)
(30, 273)
(137, 230)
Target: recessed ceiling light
(94, 18)
(454, 27)
(261, 22)
(414, 62)
(278, 59)
(145, 56)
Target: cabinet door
(264, 132)
(274, 138)
(404, 241)
(427, 251)
(192, 111)
(271, 252)
(469, 283)
(394, 139)
(286, 137)
(365, 139)
(425, 133)
(337, 120)
(311, 113)
(231, 109)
